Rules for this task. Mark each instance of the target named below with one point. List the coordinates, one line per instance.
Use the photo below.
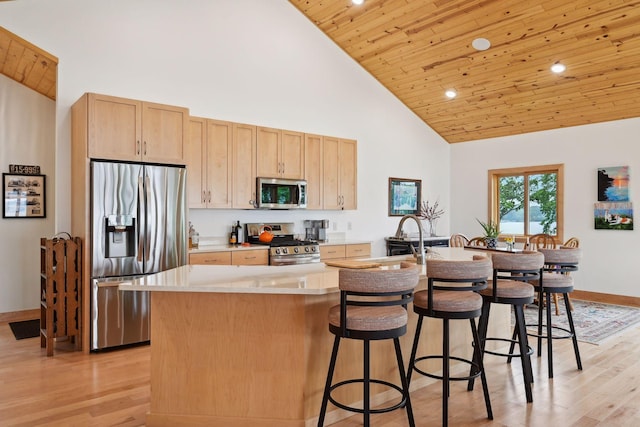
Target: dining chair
(541, 240)
(573, 242)
(458, 240)
(477, 241)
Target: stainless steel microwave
(276, 193)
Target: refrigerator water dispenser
(120, 236)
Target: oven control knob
(313, 248)
(306, 249)
(277, 251)
(284, 250)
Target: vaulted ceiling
(419, 48)
(28, 64)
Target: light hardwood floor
(112, 388)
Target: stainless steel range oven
(284, 249)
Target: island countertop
(305, 279)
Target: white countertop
(312, 279)
(306, 279)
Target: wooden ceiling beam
(28, 64)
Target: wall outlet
(335, 225)
(349, 225)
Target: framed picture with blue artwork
(613, 184)
(404, 196)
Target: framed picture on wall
(613, 184)
(24, 196)
(404, 196)
(613, 216)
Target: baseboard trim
(605, 298)
(17, 316)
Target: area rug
(25, 329)
(595, 322)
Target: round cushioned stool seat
(509, 289)
(449, 301)
(370, 318)
(554, 280)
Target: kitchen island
(249, 345)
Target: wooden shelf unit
(60, 291)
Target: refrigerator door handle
(141, 219)
(147, 231)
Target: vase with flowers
(510, 241)
(431, 213)
(491, 232)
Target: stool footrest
(398, 405)
(568, 335)
(497, 353)
(474, 365)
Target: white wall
(251, 61)
(609, 256)
(27, 137)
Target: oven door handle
(296, 259)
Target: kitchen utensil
(266, 236)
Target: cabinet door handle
(209, 196)
(145, 148)
(204, 197)
(138, 147)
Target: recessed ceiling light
(451, 93)
(357, 1)
(481, 44)
(558, 68)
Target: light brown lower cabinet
(210, 258)
(250, 257)
(359, 250)
(244, 257)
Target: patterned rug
(595, 322)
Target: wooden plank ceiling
(420, 48)
(28, 64)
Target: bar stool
(558, 263)
(511, 272)
(373, 306)
(452, 294)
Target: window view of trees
(526, 202)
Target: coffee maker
(316, 229)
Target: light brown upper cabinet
(208, 156)
(279, 153)
(244, 166)
(127, 129)
(339, 166)
(313, 170)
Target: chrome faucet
(420, 255)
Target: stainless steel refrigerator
(138, 227)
